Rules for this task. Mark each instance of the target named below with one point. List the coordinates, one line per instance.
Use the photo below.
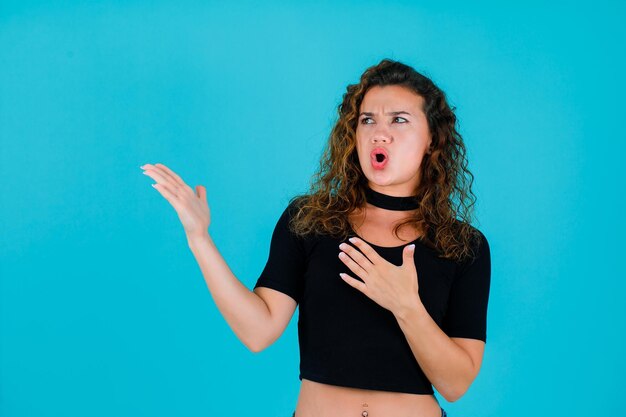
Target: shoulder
(294, 205)
(478, 246)
(479, 238)
(288, 221)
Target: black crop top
(346, 338)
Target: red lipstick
(379, 158)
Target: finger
(354, 267)
(165, 174)
(407, 254)
(178, 179)
(164, 182)
(201, 191)
(171, 198)
(358, 257)
(354, 282)
(367, 250)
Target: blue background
(105, 312)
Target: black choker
(390, 202)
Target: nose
(381, 135)
(381, 138)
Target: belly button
(364, 413)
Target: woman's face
(391, 121)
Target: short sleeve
(285, 267)
(466, 315)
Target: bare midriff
(323, 400)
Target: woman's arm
(450, 366)
(245, 312)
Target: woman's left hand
(392, 287)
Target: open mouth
(379, 158)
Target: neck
(390, 202)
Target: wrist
(198, 239)
(415, 308)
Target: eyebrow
(391, 113)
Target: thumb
(201, 191)
(407, 253)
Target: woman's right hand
(192, 209)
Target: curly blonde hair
(444, 192)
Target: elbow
(458, 390)
(456, 393)
(255, 348)
(452, 396)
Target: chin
(381, 179)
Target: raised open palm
(192, 207)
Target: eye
(363, 120)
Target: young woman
(391, 279)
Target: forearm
(446, 365)
(244, 311)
